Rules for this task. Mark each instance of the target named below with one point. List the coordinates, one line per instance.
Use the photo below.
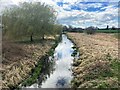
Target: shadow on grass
(36, 41)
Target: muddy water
(62, 74)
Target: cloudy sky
(80, 13)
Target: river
(62, 74)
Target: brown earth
(19, 59)
(98, 55)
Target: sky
(79, 13)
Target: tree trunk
(43, 37)
(31, 38)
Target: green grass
(116, 32)
(103, 85)
(107, 31)
(114, 67)
(113, 73)
(40, 65)
(33, 78)
(75, 48)
(117, 35)
(100, 75)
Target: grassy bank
(20, 58)
(98, 64)
(42, 68)
(42, 65)
(76, 50)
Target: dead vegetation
(98, 63)
(19, 59)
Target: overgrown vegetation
(57, 40)
(90, 30)
(75, 48)
(29, 20)
(29, 24)
(36, 71)
(75, 51)
(98, 74)
(98, 64)
(37, 74)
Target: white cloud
(5, 3)
(17, 1)
(101, 0)
(79, 18)
(68, 1)
(83, 18)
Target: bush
(90, 30)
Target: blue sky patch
(74, 7)
(80, 14)
(60, 4)
(92, 9)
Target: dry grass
(19, 59)
(96, 67)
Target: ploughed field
(98, 64)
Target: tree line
(90, 29)
(29, 20)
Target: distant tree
(113, 28)
(90, 30)
(65, 28)
(107, 27)
(97, 28)
(70, 27)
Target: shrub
(90, 30)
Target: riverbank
(20, 58)
(98, 64)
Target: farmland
(107, 31)
(98, 63)
(59, 44)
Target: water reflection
(62, 75)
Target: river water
(62, 74)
